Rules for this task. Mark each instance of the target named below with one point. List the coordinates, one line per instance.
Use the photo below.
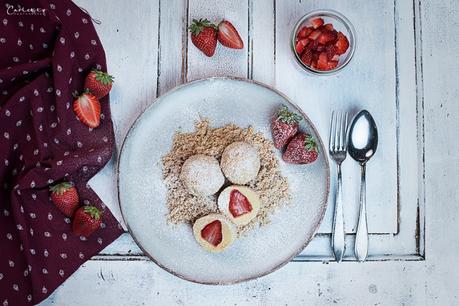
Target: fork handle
(338, 221)
(361, 237)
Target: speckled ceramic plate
(142, 192)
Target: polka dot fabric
(43, 62)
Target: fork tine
(342, 129)
(330, 138)
(338, 132)
(345, 130)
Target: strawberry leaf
(310, 144)
(287, 116)
(197, 26)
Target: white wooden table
(404, 72)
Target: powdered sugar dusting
(269, 183)
(201, 175)
(240, 162)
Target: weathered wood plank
(225, 62)
(440, 49)
(173, 44)
(262, 41)
(129, 34)
(144, 283)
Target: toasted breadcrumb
(183, 206)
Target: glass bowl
(340, 24)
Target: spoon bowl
(363, 137)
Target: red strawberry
(317, 22)
(322, 63)
(65, 197)
(300, 45)
(315, 35)
(86, 221)
(239, 204)
(87, 109)
(313, 45)
(314, 64)
(342, 44)
(306, 57)
(284, 126)
(98, 83)
(335, 58)
(328, 26)
(212, 233)
(301, 150)
(229, 36)
(320, 48)
(331, 51)
(332, 65)
(326, 37)
(204, 36)
(304, 32)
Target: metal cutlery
(338, 151)
(363, 141)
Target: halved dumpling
(239, 203)
(214, 232)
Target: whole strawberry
(284, 126)
(98, 83)
(86, 221)
(302, 149)
(65, 197)
(204, 36)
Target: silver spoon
(363, 141)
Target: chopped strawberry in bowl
(323, 42)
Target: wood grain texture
(143, 283)
(173, 35)
(262, 41)
(440, 48)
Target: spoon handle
(361, 238)
(338, 222)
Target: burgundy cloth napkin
(43, 62)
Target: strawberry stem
(60, 188)
(93, 211)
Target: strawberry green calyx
(60, 188)
(310, 144)
(103, 77)
(93, 211)
(287, 116)
(197, 26)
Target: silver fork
(338, 150)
